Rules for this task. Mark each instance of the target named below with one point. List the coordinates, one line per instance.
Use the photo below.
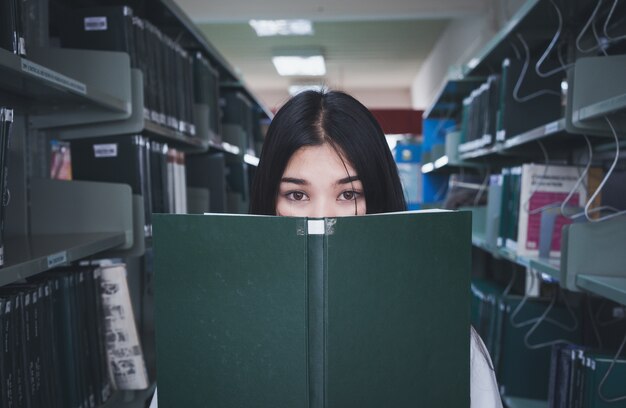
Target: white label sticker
(316, 227)
(57, 259)
(105, 150)
(1, 256)
(96, 24)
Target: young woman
(325, 156)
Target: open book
(366, 311)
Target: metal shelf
(45, 86)
(28, 256)
(597, 110)
(449, 99)
(174, 137)
(550, 268)
(610, 287)
(130, 399)
(515, 402)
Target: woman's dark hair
(313, 118)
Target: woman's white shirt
(483, 386)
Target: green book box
(368, 311)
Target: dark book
(11, 33)
(115, 159)
(88, 357)
(35, 17)
(9, 316)
(207, 171)
(3, 391)
(66, 341)
(519, 116)
(20, 349)
(327, 313)
(101, 28)
(6, 122)
(154, 47)
(32, 346)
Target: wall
(459, 42)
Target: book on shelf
(543, 189)
(237, 119)
(139, 162)
(538, 99)
(167, 67)
(53, 341)
(207, 92)
(237, 185)
(208, 171)
(576, 376)
(12, 26)
(124, 350)
(60, 160)
(509, 208)
(361, 311)
(6, 127)
(493, 215)
(116, 159)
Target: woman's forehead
(318, 160)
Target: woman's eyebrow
(292, 180)
(347, 180)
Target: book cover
(545, 187)
(124, 351)
(363, 311)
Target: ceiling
(369, 45)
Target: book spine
(8, 356)
(6, 122)
(316, 282)
(124, 351)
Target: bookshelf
(38, 84)
(591, 88)
(69, 94)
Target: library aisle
(116, 115)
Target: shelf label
(551, 128)
(57, 259)
(96, 24)
(49, 75)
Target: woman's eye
(348, 195)
(296, 195)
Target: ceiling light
(300, 65)
(267, 28)
(296, 89)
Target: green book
(262, 311)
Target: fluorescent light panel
(292, 65)
(296, 89)
(268, 28)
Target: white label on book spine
(51, 76)
(96, 24)
(1, 256)
(316, 227)
(57, 259)
(105, 150)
